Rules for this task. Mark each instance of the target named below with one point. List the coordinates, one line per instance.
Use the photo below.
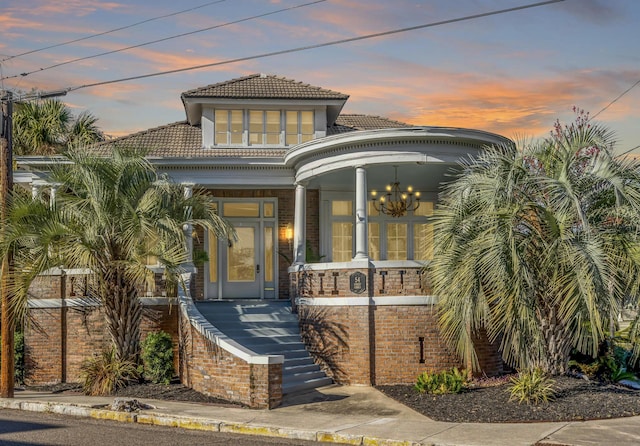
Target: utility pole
(7, 321)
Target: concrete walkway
(334, 414)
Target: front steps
(268, 328)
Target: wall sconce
(288, 234)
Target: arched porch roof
(379, 149)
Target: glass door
(245, 268)
(241, 265)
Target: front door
(247, 267)
(241, 266)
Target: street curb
(203, 424)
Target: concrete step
(268, 327)
(297, 370)
(292, 387)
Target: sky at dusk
(512, 73)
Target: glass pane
(306, 124)
(425, 209)
(268, 254)
(292, 139)
(213, 257)
(241, 266)
(222, 126)
(341, 207)
(341, 241)
(273, 138)
(292, 122)
(396, 241)
(374, 241)
(236, 127)
(248, 209)
(423, 241)
(273, 121)
(256, 126)
(372, 210)
(268, 209)
(273, 127)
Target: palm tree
(110, 214)
(48, 127)
(537, 246)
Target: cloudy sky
(511, 73)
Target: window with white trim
(405, 238)
(229, 127)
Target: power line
(617, 98)
(318, 45)
(91, 36)
(164, 39)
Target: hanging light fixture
(394, 202)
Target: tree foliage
(48, 127)
(111, 213)
(537, 245)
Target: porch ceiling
(423, 177)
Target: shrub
(18, 358)
(532, 386)
(157, 357)
(103, 374)
(446, 381)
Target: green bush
(532, 386)
(446, 381)
(157, 357)
(104, 374)
(18, 359)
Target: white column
(362, 251)
(52, 195)
(299, 225)
(188, 227)
(35, 191)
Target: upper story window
(263, 127)
(229, 127)
(299, 127)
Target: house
(333, 215)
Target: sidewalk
(334, 414)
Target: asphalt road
(20, 428)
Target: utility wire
(165, 38)
(318, 45)
(111, 31)
(616, 99)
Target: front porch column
(362, 219)
(188, 227)
(52, 195)
(299, 225)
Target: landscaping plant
(536, 245)
(532, 387)
(18, 356)
(111, 213)
(157, 357)
(103, 374)
(446, 381)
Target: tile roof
(182, 140)
(352, 122)
(262, 86)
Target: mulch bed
(576, 399)
(167, 392)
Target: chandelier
(395, 202)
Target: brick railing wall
(385, 334)
(215, 365)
